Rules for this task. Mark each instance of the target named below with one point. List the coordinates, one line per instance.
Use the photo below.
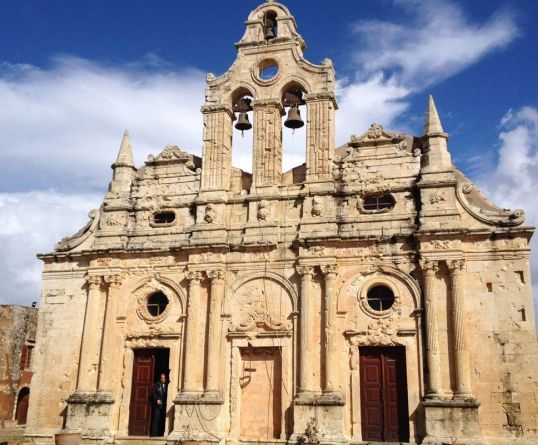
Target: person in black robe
(157, 399)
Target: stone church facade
(372, 294)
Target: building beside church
(17, 330)
(372, 294)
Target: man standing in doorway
(157, 399)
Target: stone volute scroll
(429, 270)
(305, 325)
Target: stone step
(140, 440)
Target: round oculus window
(157, 304)
(380, 298)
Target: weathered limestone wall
(17, 327)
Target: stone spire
(125, 155)
(436, 157)
(433, 123)
(124, 169)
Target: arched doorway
(22, 406)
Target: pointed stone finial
(433, 123)
(125, 155)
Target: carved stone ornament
(142, 295)
(93, 280)
(305, 270)
(456, 266)
(114, 281)
(317, 206)
(379, 333)
(377, 135)
(263, 210)
(436, 196)
(210, 213)
(215, 275)
(478, 206)
(83, 234)
(429, 267)
(316, 251)
(172, 153)
(329, 270)
(261, 320)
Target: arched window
(22, 406)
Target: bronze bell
(243, 122)
(294, 120)
(269, 33)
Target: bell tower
(269, 79)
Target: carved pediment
(173, 154)
(376, 135)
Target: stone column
(217, 149)
(305, 325)
(190, 384)
(461, 353)
(267, 159)
(430, 268)
(110, 347)
(320, 136)
(213, 337)
(330, 359)
(91, 337)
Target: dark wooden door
(384, 409)
(22, 406)
(139, 408)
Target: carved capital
(114, 281)
(456, 266)
(216, 275)
(305, 271)
(93, 281)
(329, 270)
(194, 276)
(429, 267)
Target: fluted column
(330, 359)
(305, 326)
(213, 337)
(461, 353)
(91, 337)
(109, 346)
(430, 268)
(191, 369)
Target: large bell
(243, 123)
(269, 33)
(294, 120)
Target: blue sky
(74, 75)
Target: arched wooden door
(22, 406)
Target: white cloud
(438, 42)
(514, 183)
(62, 127)
(31, 223)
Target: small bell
(243, 122)
(294, 120)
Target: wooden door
(261, 401)
(384, 412)
(139, 408)
(22, 406)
